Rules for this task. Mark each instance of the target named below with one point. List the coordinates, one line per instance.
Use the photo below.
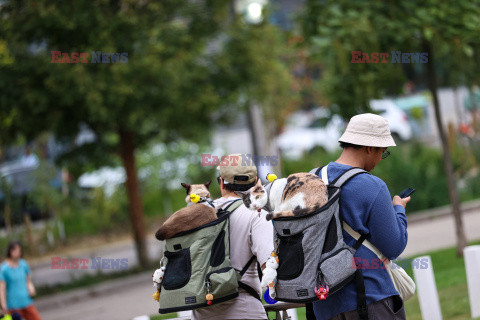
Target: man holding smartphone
(367, 207)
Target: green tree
(446, 31)
(178, 75)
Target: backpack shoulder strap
(245, 286)
(322, 173)
(347, 175)
(233, 205)
(316, 171)
(355, 235)
(247, 265)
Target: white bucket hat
(369, 130)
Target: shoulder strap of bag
(245, 286)
(347, 175)
(315, 171)
(242, 285)
(340, 180)
(234, 204)
(355, 235)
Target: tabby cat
(298, 194)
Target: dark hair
(236, 187)
(12, 246)
(345, 145)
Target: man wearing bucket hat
(368, 209)
(251, 235)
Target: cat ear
(259, 182)
(241, 193)
(207, 185)
(186, 186)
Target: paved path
(43, 274)
(439, 233)
(124, 299)
(115, 300)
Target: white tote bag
(401, 280)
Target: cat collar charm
(194, 198)
(322, 292)
(271, 177)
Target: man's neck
(351, 158)
(228, 194)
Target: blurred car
(397, 119)
(306, 130)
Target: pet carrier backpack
(314, 261)
(198, 269)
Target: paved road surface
(424, 236)
(124, 301)
(43, 274)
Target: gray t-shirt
(250, 234)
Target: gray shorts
(388, 308)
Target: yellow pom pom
(209, 297)
(271, 177)
(156, 296)
(194, 198)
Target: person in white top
(250, 235)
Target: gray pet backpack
(314, 261)
(198, 269)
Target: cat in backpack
(201, 190)
(192, 216)
(299, 193)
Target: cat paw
(269, 216)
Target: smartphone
(405, 193)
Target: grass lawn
(451, 280)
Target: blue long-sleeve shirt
(366, 206)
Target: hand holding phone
(407, 192)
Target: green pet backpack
(198, 269)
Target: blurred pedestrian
(16, 287)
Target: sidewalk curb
(109, 287)
(431, 214)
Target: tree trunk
(447, 159)
(8, 214)
(134, 201)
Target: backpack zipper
(208, 283)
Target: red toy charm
(322, 292)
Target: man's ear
(370, 149)
(186, 186)
(207, 185)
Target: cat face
(254, 198)
(198, 189)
